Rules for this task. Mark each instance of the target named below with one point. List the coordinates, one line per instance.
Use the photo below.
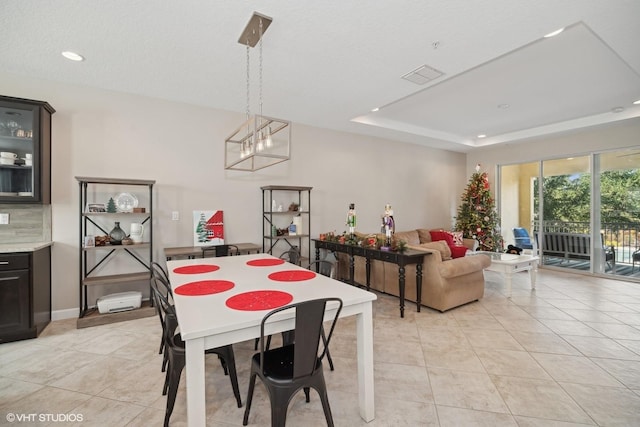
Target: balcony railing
(623, 236)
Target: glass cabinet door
(16, 151)
(22, 151)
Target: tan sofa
(446, 282)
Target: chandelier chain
(248, 82)
(260, 66)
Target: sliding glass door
(618, 216)
(565, 223)
(582, 213)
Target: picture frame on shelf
(96, 207)
(89, 241)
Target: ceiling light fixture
(636, 102)
(554, 33)
(73, 56)
(482, 135)
(260, 141)
(617, 109)
(375, 110)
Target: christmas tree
(477, 217)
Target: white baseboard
(71, 313)
(68, 313)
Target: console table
(196, 251)
(401, 259)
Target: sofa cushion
(458, 251)
(463, 266)
(410, 237)
(424, 235)
(440, 246)
(457, 238)
(441, 235)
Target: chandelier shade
(260, 141)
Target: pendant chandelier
(260, 141)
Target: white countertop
(23, 247)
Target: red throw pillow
(441, 235)
(458, 251)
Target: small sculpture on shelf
(111, 206)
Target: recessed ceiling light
(375, 109)
(482, 135)
(72, 56)
(503, 106)
(636, 102)
(617, 109)
(554, 33)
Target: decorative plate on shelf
(125, 202)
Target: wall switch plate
(175, 216)
(4, 218)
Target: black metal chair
(160, 279)
(326, 268)
(294, 366)
(175, 353)
(220, 250)
(292, 255)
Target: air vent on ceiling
(422, 75)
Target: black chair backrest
(220, 250)
(160, 279)
(292, 255)
(168, 312)
(326, 268)
(309, 318)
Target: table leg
(532, 275)
(401, 284)
(507, 282)
(368, 270)
(352, 269)
(317, 253)
(418, 285)
(364, 330)
(195, 374)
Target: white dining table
(218, 302)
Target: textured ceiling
(329, 63)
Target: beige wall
(622, 134)
(578, 145)
(108, 134)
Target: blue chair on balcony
(522, 239)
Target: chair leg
(252, 383)
(233, 376)
(324, 398)
(165, 361)
(167, 379)
(324, 341)
(174, 382)
(280, 398)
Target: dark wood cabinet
(25, 151)
(25, 294)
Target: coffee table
(507, 264)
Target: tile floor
(567, 354)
